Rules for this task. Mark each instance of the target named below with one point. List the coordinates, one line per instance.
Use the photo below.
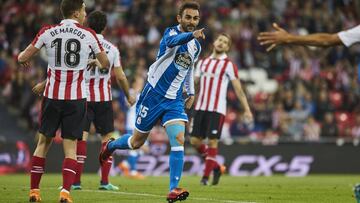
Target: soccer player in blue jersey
(162, 97)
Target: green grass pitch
(311, 189)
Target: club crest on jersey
(183, 59)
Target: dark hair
(97, 21)
(227, 36)
(68, 7)
(189, 4)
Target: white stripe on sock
(129, 142)
(178, 148)
(33, 171)
(80, 156)
(210, 158)
(66, 169)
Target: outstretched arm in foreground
(281, 36)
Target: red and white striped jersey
(215, 75)
(98, 82)
(68, 47)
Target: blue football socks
(121, 143)
(176, 162)
(175, 133)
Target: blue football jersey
(174, 65)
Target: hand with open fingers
(39, 88)
(199, 33)
(189, 102)
(25, 64)
(272, 39)
(93, 63)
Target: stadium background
(305, 100)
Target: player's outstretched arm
(281, 36)
(26, 55)
(242, 97)
(173, 39)
(124, 84)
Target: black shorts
(67, 113)
(101, 114)
(207, 124)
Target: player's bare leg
(105, 167)
(43, 145)
(38, 166)
(176, 133)
(68, 171)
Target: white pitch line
(160, 196)
(157, 196)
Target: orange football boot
(65, 197)
(34, 195)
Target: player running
(162, 97)
(64, 104)
(214, 73)
(281, 36)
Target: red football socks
(68, 173)
(210, 161)
(202, 150)
(105, 170)
(80, 156)
(37, 169)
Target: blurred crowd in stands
(317, 95)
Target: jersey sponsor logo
(183, 59)
(214, 132)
